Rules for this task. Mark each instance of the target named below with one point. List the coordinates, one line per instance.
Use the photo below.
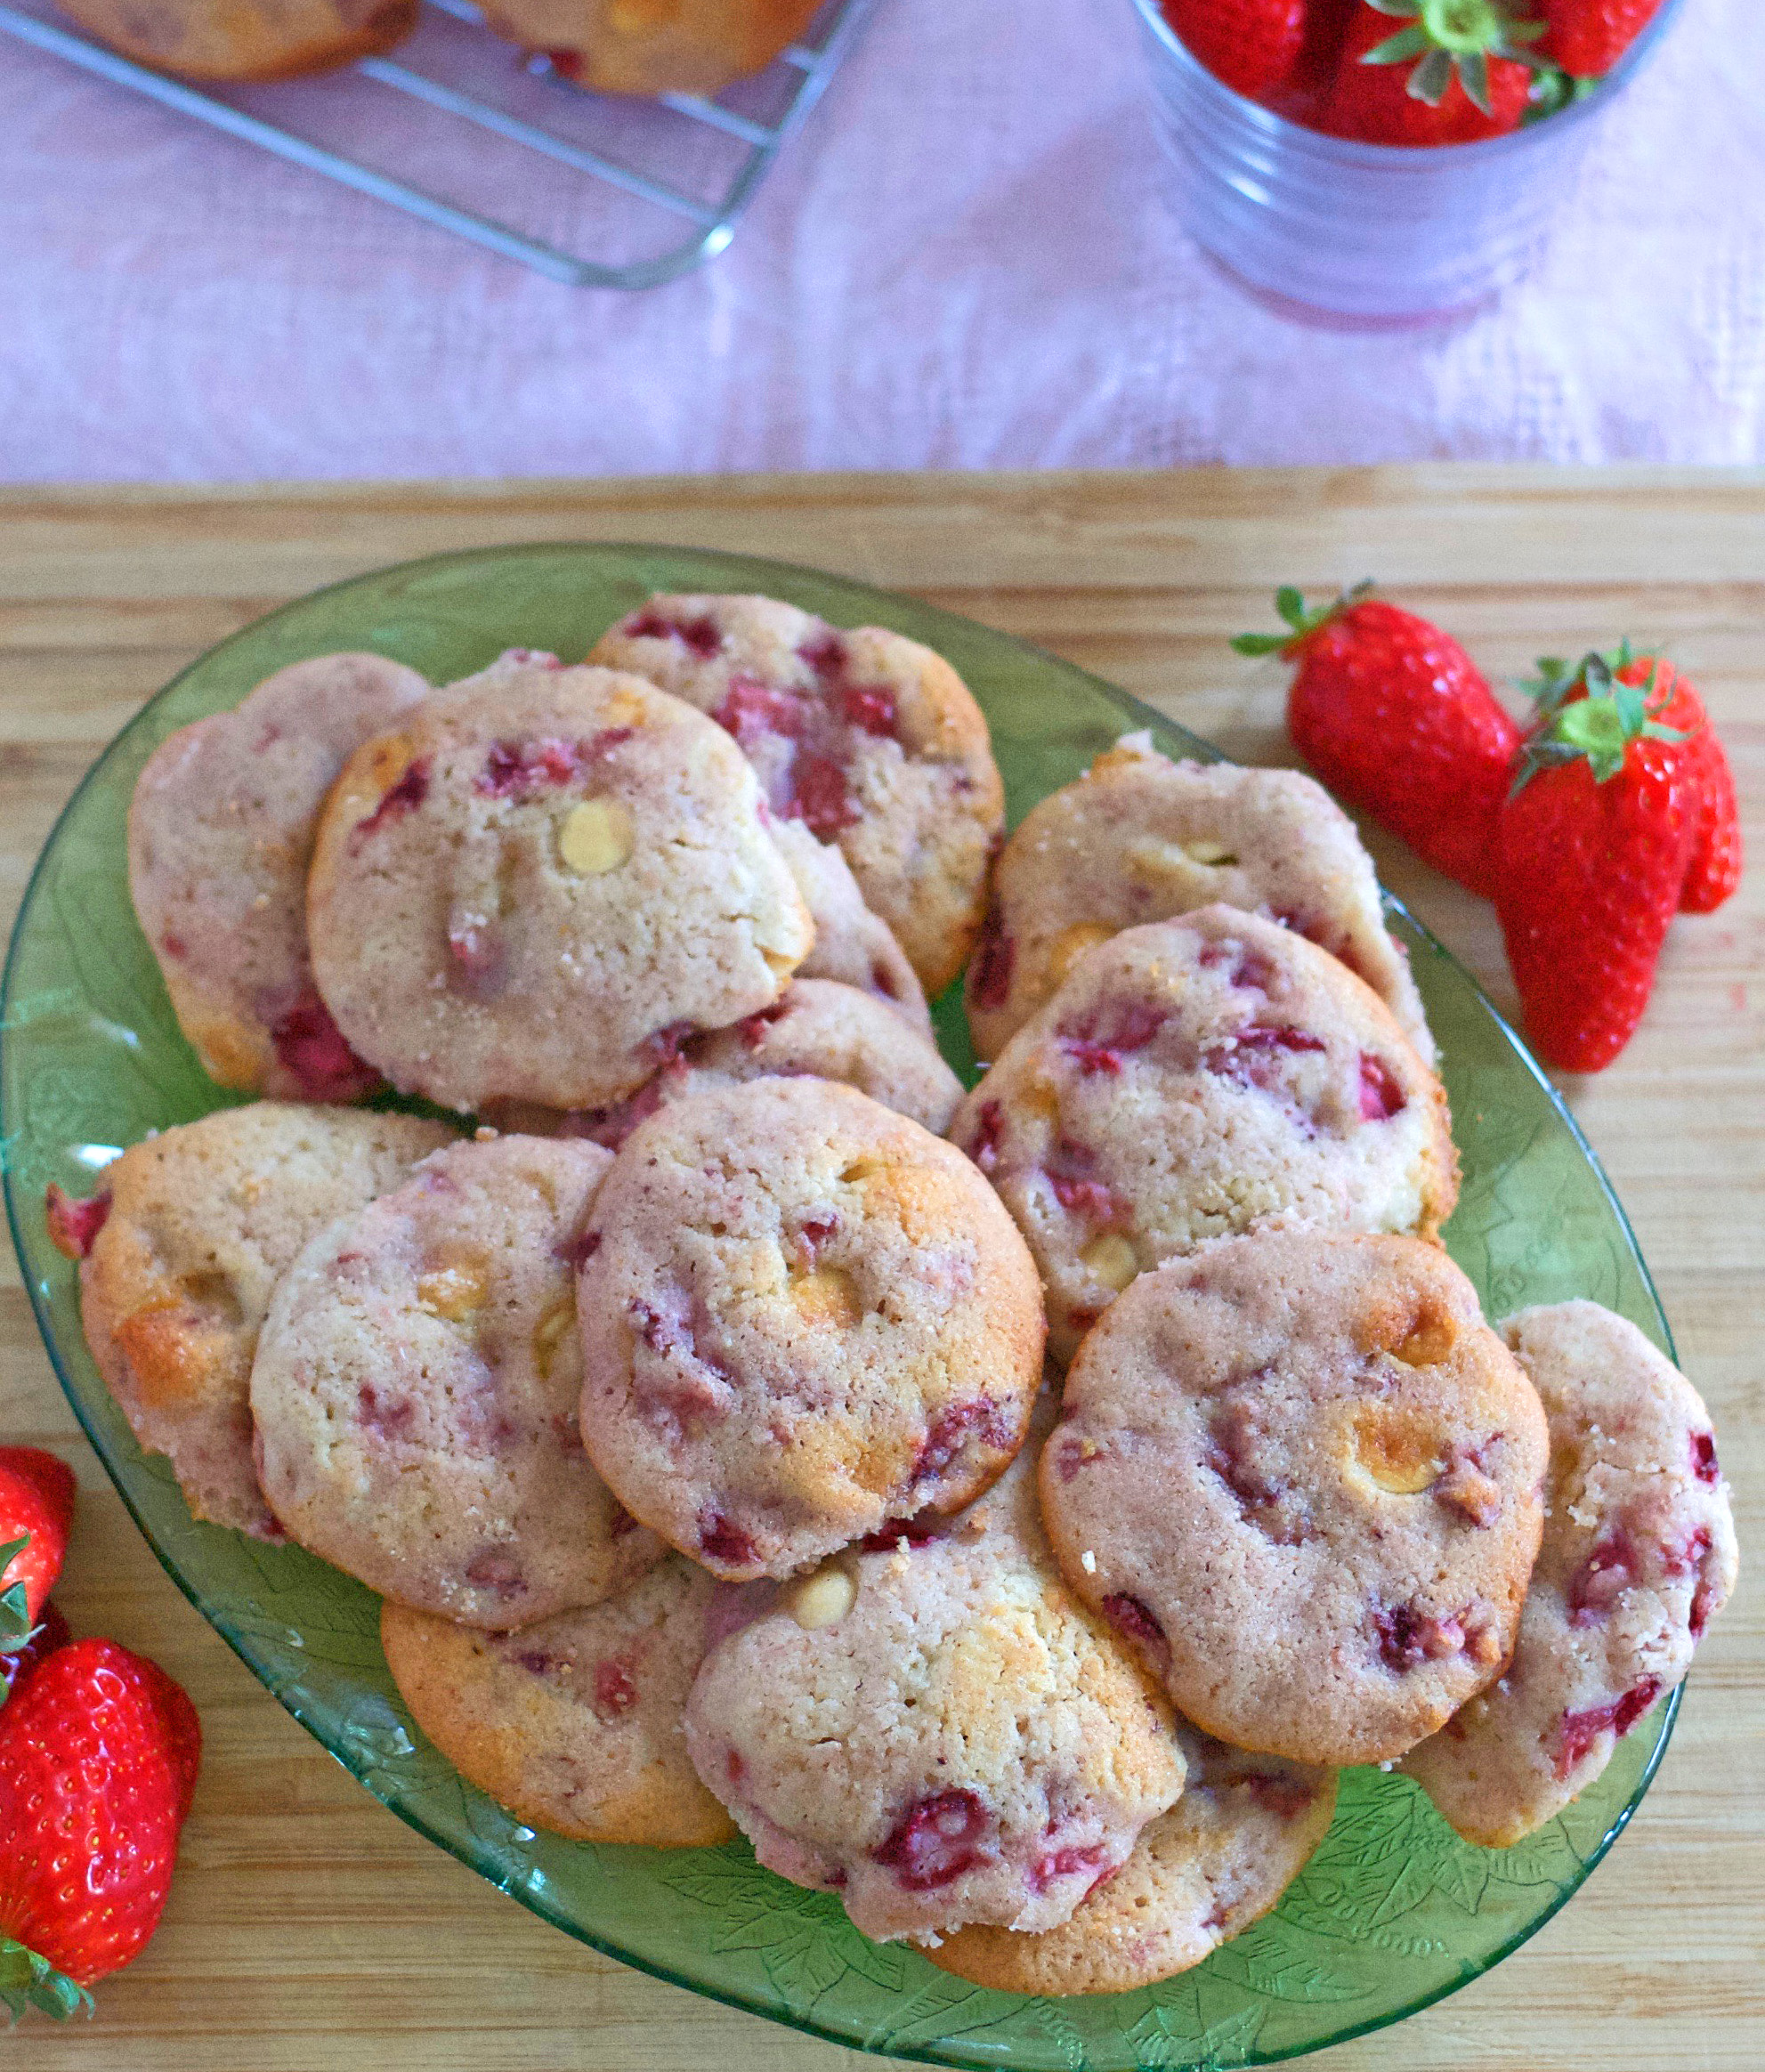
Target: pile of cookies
(696, 1404)
(644, 47)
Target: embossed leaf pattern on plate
(1391, 1912)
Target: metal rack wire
(618, 176)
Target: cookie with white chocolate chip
(870, 738)
(1305, 1478)
(534, 887)
(416, 1392)
(1193, 1078)
(935, 1728)
(803, 1316)
(1138, 838)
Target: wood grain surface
(308, 1928)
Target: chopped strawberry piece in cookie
(73, 1225)
(751, 709)
(1408, 1637)
(955, 1429)
(1608, 1572)
(989, 1134)
(404, 796)
(311, 1049)
(725, 1544)
(989, 981)
(1101, 1045)
(699, 634)
(821, 798)
(1070, 1863)
(1577, 1732)
(936, 1840)
(1380, 1094)
(1134, 1619)
(615, 1688)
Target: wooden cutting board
(308, 1928)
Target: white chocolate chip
(828, 1295)
(455, 1289)
(1111, 1259)
(549, 1334)
(1071, 944)
(1088, 1562)
(597, 837)
(821, 1598)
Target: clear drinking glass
(1365, 233)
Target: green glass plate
(1391, 1912)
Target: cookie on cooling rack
(246, 39)
(654, 47)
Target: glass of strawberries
(1384, 161)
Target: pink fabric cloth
(966, 261)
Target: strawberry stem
(1453, 38)
(28, 1980)
(15, 1627)
(1599, 727)
(1290, 604)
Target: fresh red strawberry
(16, 1663)
(1716, 853)
(1253, 45)
(1455, 71)
(1596, 840)
(91, 1783)
(1393, 715)
(1587, 37)
(36, 1504)
(1716, 857)
(182, 1729)
(1303, 97)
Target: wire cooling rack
(458, 127)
